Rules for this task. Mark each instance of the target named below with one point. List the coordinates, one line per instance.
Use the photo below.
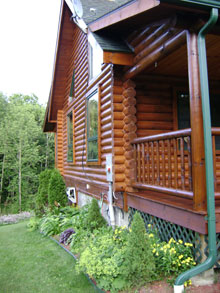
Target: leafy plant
(56, 190)
(33, 224)
(65, 235)
(50, 225)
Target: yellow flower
(180, 241)
(157, 254)
(151, 235)
(154, 250)
(149, 225)
(181, 256)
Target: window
(95, 57)
(92, 127)
(183, 112)
(71, 95)
(70, 137)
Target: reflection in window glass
(92, 127)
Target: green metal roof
(111, 43)
(207, 4)
(95, 9)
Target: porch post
(198, 156)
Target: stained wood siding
(154, 108)
(90, 179)
(119, 158)
(59, 141)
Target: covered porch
(166, 152)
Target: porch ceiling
(175, 64)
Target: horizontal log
(168, 135)
(130, 110)
(130, 118)
(153, 45)
(118, 98)
(117, 90)
(153, 36)
(119, 142)
(119, 159)
(106, 113)
(106, 98)
(154, 116)
(119, 168)
(118, 151)
(119, 115)
(154, 108)
(118, 107)
(118, 124)
(154, 98)
(155, 125)
(131, 101)
(176, 192)
(167, 48)
(106, 134)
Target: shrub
(119, 259)
(42, 195)
(33, 224)
(94, 219)
(56, 190)
(102, 259)
(139, 265)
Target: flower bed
(121, 258)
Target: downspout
(210, 261)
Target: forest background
(25, 151)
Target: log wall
(90, 179)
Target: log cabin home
(125, 107)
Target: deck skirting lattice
(167, 230)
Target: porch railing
(164, 163)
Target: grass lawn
(30, 262)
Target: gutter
(210, 261)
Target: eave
(132, 9)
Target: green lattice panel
(166, 230)
(217, 264)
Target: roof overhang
(131, 9)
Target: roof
(95, 9)
(111, 43)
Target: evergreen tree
(57, 190)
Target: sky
(28, 33)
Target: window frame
(94, 50)
(94, 138)
(72, 87)
(70, 145)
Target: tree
(57, 190)
(23, 145)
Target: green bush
(33, 224)
(42, 194)
(119, 259)
(56, 190)
(94, 219)
(102, 259)
(139, 265)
